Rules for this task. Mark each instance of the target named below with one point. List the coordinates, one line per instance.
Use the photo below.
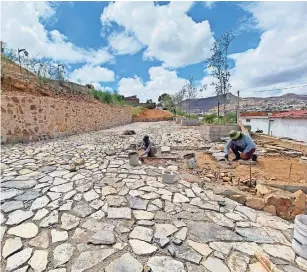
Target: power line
(285, 88)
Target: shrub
(137, 110)
(107, 97)
(210, 118)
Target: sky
(150, 48)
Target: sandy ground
(274, 169)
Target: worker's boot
(254, 157)
(236, 159)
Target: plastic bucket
(190, 160)
(299, 240)
(133, 158)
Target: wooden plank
(243, 128)
(266, 263)
(160, 158)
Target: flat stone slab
(283, 252)
(202, 249)
(11, 246)
(126, 263)
(39, 260)
(82, 209)
(58, 236)
(103, 237)
(214, 264)
(18, 259)
(143, 215)
(88, 259)
(165, 264)
(41, 240)
(164, 230)
(10, 193)
(69, 221)
(257, 235)
(39, 203)
(62, 253)
(187, 254)
(19, 184)
(25, 230)
(141, 233)
(119, 213)
(141, 247)
(18, 217)
(203, 232)
(137, 203)
(11, 206)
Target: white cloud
(124, 44)
(169, 34)
(280, 59)
(89, 74)
(22, 27)
(161, 81)
(209, 4)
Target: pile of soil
(153, 115)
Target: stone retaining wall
(215, 132)
(31, 118)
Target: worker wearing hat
(240, 142)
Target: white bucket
(190, 160)
(133, 158)
(299, 240)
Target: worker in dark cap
(149, 147)
(240, 142)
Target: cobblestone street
(110, 216)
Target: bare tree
(191, 91)
(218, 62)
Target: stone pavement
(109, 216)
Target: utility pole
(218, 111)
(238, 107)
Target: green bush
(229, 118)
(210, 118)
(107, 97)
(137, 110)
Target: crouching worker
(240, 142)
(149, 147)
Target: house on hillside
(289, 124)
(132, 100)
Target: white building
(291, 124)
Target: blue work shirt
(245, 142)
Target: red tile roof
(295, 114)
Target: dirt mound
(153, 115)
(21, 82)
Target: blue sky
(148, 48)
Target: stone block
(188, 122)
(238, 198)
(255, 203)
(168, 177)
(281, 200)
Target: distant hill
(207, 103)
(286, 101)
